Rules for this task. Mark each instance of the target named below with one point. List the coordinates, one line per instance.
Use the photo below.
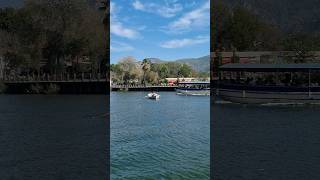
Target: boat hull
(193, 92)
(267, 97)
(153, 96)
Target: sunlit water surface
(164, 139)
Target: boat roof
(270, 67)
(195, 82)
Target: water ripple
(165, 139)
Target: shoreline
(63, 87)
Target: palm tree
(145, 67)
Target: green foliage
(163, 72)
(127, 71)
(243, 29)
(303, 45)
(36, 89)
(56, 31)
(52, 89)
(43, 89)
(240, 29)
(145, 65)
(185, 71)
(130, 71)
(152, 77)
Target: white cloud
(199, 17)
(167, 10)
(120, 47)
(117, 28)
(179, 43)
(138, 5)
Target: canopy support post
(309, 83)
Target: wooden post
(309, 83)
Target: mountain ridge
(201, 64)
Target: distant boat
(200, 88)
(153, 96)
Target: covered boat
(269, 83)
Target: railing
(55, 77)
(140, 86)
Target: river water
(64, 137)
(53, 137)
(265, 142)
(164, 139)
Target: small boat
(153, 96)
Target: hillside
(201, 64)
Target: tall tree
(145, 65)
(105, 7)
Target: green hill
(201, 64)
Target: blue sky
(165, 29)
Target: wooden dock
(65, 87)
(82, 84)
(142, 88)
(76, 84)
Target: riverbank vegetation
(43, 89)
(54, 37)
(131, 71)
(239, 28)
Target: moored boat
(200, 88)
(269, 83)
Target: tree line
(239, 29)
(43, 36)
(131, 71)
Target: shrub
(52, 89)
(36, 89)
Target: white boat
(153, 96)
